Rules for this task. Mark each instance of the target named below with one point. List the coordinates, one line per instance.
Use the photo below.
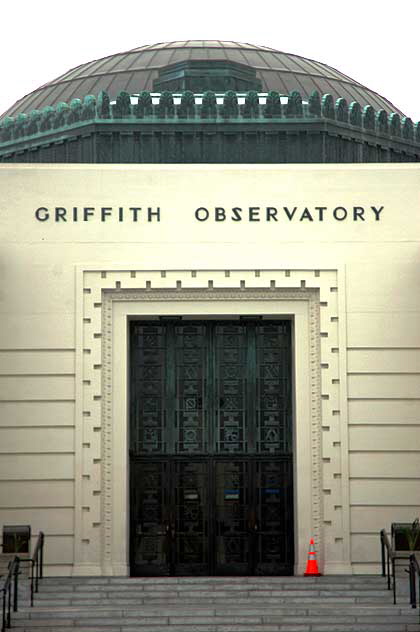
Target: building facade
(205, 365)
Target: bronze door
(211, 448)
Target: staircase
(216, 604)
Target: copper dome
(136, 69)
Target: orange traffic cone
(312, 565)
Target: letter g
(42, 214)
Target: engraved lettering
(271, 213)
(340, 213)
(60, 214)
(105, 212)
(254, 213)
(290, 213)
(236, 214)
(358, 212)
(151, 214)
(219, 214)
(377, 212)
(306, 215)
(201, 214)
(88, 211)
(135, 210)
(42, 214)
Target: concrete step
(230, 627)
(213, 590)
(135, 610)
(211, 581)
(217, 604)
(250, 616)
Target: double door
(211, 516)
(211, 447)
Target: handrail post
(412, 577)
(383, 552)
(41, 555)
(419, 595)
(15, 584)
(3, 625)
(32, 583)
(394, 588)
(9, 603)
(36, 572)
(3, 618)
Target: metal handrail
(388, 559)
(10, 587)
(414, 569)
(37, 565)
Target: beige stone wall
(384, 396)
(352, 288)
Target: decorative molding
(316, 415)
(175, 107)
(106, 363)
(102, 289)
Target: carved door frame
(106, 300)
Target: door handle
(252, 521)
(169, 532)
(169, 526)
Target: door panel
(231, 368)
(219, 392)
(191, 504)
(212, 516)
(273, 427)
(149, 413)
(149, 552)
(211, 388)
(232, 509)
(191, 425)
(273, 508)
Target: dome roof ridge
(202, 44)
(137, 69)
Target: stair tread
(217, 604)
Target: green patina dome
(138, 69)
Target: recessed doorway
(211, 463)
